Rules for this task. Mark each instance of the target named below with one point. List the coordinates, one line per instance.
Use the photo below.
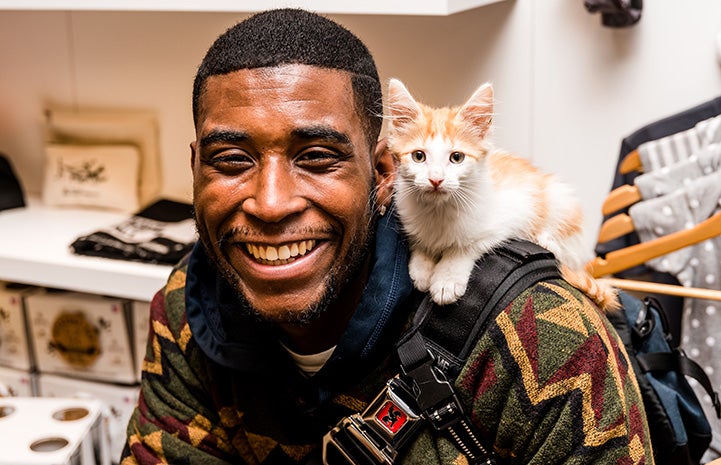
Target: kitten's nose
(435, 182)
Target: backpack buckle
(434, 395)
(645, 322)
(437, 401)
(375, 436)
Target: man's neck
(326, 330)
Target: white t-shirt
(312, 363)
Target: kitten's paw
(450, 278)
(420, 267)
(444, 292)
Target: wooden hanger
(636, 254)
(631, 162)
(616, 226)
(666, 289)
(620, 197)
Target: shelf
(34, 249)
(393, 7)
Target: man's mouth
(279, 255)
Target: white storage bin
(17, 383)
(14, 344)
(39, 431)
(117, 402)
(81, 335)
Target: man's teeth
(271, 255)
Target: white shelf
(34, 249)
(387, 7)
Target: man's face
(282, 182)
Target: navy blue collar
(245, 343)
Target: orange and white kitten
(458, 198)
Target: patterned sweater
(548, 382)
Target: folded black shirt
(161, 233)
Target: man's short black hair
(292, 36)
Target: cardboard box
(141, 321)
(37, 431)
(15, 351)
(117, 403)
(81, 335)
(17, 383)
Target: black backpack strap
(432, 353)
(677, 361)
(497, 278)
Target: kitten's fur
(458, 198)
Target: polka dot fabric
(699, 266)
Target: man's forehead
(296, 76)
(260, 86)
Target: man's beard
(339, 276)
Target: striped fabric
(666, 151)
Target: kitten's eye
(457, 157)
(418, 156)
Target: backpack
(680, 432)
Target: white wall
(568, 89)
(592, 86)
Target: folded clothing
(162, 233)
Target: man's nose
(276, 194)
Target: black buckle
(434, 395)
(437, 401)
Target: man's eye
(318, 159)
(228, 161)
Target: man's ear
(385, 168)
(192, 155)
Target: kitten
(457, 197)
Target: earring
(382, 210)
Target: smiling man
(284, 317)
(285, 182)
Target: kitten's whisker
(463, 199)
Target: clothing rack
(667, 289)
(664, 198)
(637, 254)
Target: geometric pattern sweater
(548, 382)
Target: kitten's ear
(403, 108)
(478, 110)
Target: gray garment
(677, 175)
(668, 150)
(697, 266)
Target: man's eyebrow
(322, 133)
(223, 135)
